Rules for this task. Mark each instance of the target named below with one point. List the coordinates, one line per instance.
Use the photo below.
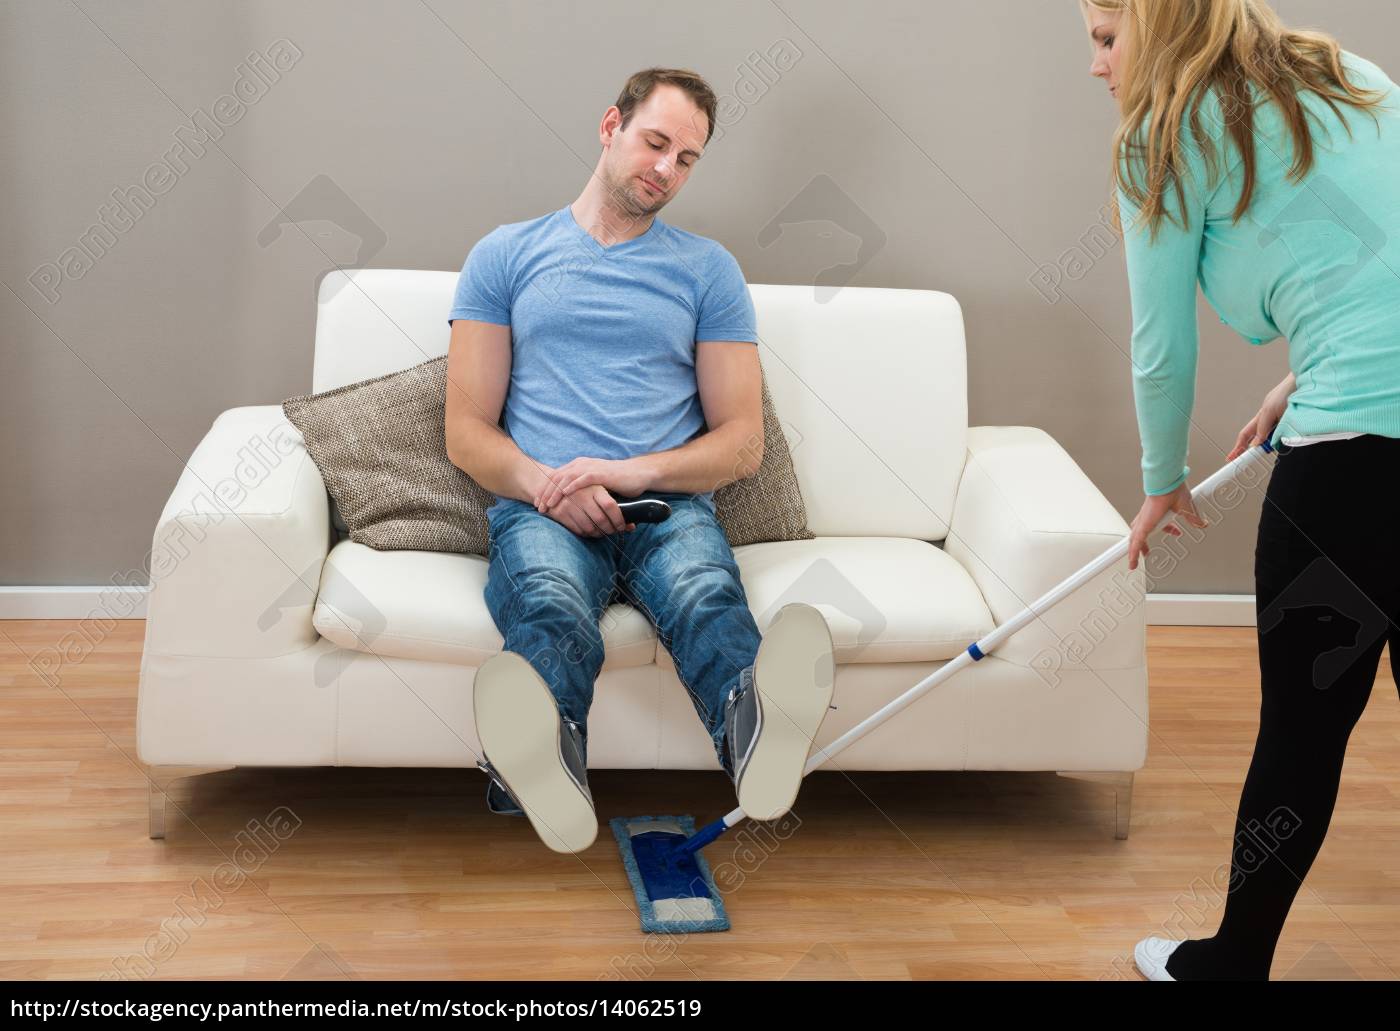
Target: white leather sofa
(272, 641)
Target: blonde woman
(1265, 163)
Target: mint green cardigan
(1316, 262)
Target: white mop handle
(984, 646)
(1109, 557)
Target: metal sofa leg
(1122, 785)
(160, 778)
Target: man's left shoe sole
(519, 726)
(794, 674)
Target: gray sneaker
(773, 716)
(534, 757)
(498, 799)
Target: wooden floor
(403, 873)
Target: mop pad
(675, 891)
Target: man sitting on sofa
(622, 351)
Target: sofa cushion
(431, 606)
(886, 599)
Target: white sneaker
(1151, 954)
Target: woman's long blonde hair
(1177, 51)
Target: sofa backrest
(870, 385)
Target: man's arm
(478, 376)
(731, 395)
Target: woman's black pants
(1327, 583)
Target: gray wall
(969, 133)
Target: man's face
(647, 163)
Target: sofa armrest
(1026, 517)
(236, 561)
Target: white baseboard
(73, 602)
(1200, 610)
(130, 603)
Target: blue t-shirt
(603, 338)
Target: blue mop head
(675, 892)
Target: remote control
(645, 510)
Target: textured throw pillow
(381, 448)
(382, 451)
(766, 506)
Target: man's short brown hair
(641, 84)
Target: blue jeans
(547, 588)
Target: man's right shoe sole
(519, 726)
